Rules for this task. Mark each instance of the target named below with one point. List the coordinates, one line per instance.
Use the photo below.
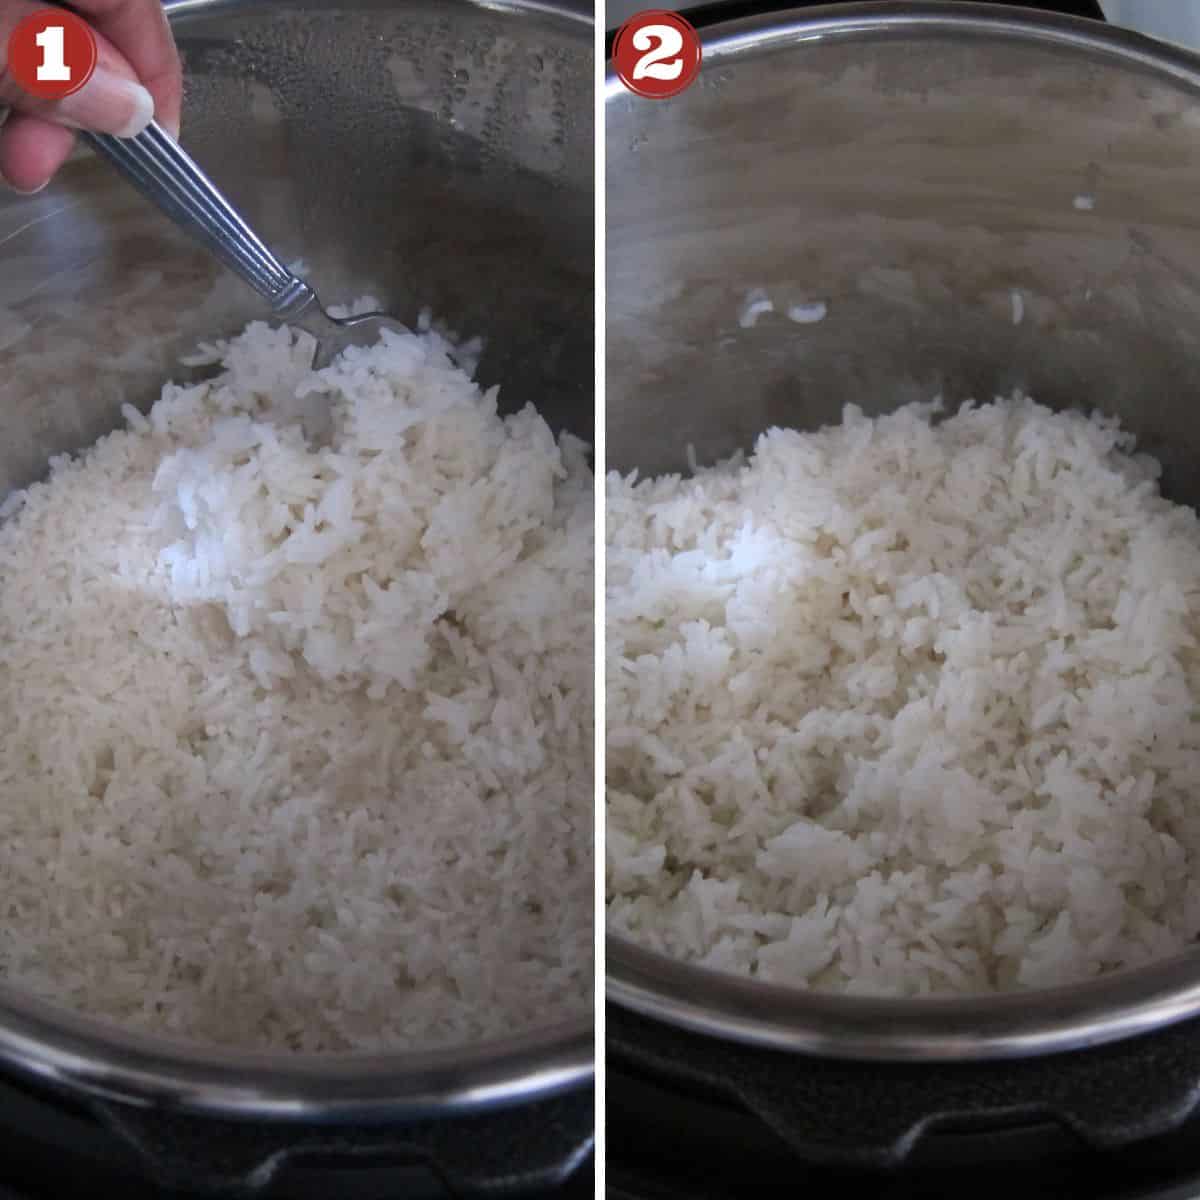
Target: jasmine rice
(295, 734)
(907, 705)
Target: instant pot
(912, 167)
(439, 154)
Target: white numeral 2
(52, 69)
(662, 42)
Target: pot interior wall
(911, 178)
(435, 152)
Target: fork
(170, 178)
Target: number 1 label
(51, 53)
(52, 40)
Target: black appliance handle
(862, 1114)
(501, 1152)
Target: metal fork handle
(171, 179)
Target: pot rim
(82, 1054)
(775, 25)
(936, 1028)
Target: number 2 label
(663, 42)
(656, 54)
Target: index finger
(139, 29)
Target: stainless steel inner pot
(436, 152)
(911, 166)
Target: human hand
(137, 77)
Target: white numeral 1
(52, 69)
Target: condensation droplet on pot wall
(12, 328)
(756, 303)
(808, 314)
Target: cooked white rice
(295, 740)
(906, 706)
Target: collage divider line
(598, 460)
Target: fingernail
(172, 127)
(12, 187)
(108, 103)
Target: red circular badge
(656, 54)
(51, 53)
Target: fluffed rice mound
(295, 737)
(907, 705)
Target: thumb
(112, 100)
